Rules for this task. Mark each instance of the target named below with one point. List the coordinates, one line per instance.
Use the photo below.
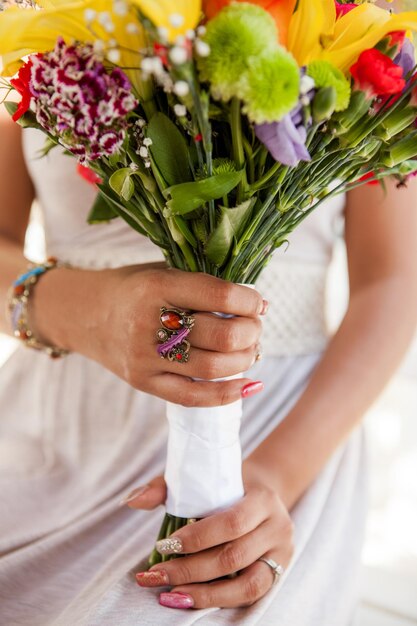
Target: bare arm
(381, 238)
(15, 202)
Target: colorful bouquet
(215, 131)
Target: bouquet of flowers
(214, 130)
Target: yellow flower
(176, 17)
(28, 31)
(314, 32)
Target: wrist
(258, 472)
(64, 308)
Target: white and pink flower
(79, 101)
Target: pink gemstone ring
(176, 326)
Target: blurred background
(389, 559)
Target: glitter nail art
(171, 545)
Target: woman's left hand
(257, 526)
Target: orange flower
(281, 11)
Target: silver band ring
(276, 568)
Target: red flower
(89, 175)
(377, 74)
(370, 178)
(396, 38)
(161, 52)
(22, 86)
(342, 9)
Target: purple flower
(405, 58)
(285, 139)
(79, 102)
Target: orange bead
(172, 320)
(19, 289)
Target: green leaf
(28, 119)
(169, 149)
(190, 196)
(121, 210)
(182, 242)
(122, 183)
(114, 159)
(49, 144)
(135, 218)
(182, 225)
(230, 227)
(101, 211)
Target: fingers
(248, 587)
(147, 496)
(220, 561)
(211, 365)
(214, 333)
(189, 393)
(201, 292)
(218, 529)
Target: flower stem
(170, 524)
(238, 150)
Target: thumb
(148, 496)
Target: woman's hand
(232, 541)
(113, 317)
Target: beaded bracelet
(18, 307)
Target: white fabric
(203, 437)
(81, 438)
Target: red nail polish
(176, 600)
(251, 388)
(265, 307)
(152, 578)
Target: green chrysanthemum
(221, 165)
(325, 74)
(237, 33)
(271, 86)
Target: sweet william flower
(79, 102)
(377, 75)
(280, 10)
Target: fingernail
(265, 307)
(251, 388)
(152, 578)
(136, 493)
(176, 600)
(171, 545)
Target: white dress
(75, 439)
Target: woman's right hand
(113, 315)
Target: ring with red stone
(176, 326)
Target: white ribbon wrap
(204, 459)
